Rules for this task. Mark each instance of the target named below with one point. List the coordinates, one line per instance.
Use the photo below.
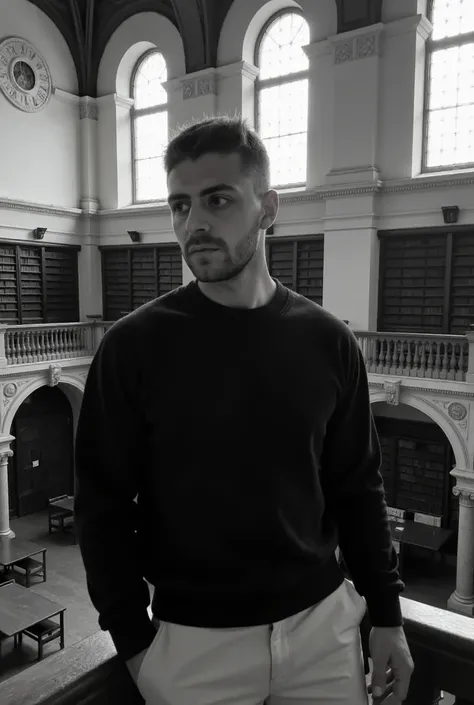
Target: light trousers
(311, 658)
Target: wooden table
(14, 550)
(22, 609)
(415, 533)
(66, 504)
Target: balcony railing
(442, 645)
(448, 357)
(21, 345)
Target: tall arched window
(282, 97)
(149, 127)
(449, 139)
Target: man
(237, 414)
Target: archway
(42, 463)
(417, 458)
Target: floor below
(66, 584)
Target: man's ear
(270, 205)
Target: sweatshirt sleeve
(107, 481)
(355, 494)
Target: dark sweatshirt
(248, 437)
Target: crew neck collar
(277, 304)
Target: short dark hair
(221, 135)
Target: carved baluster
(24, 349)
(380, 355)
(409, 360)
(462, 369)
(395, 355)
(422, 351)
(9, 353)
(14, 347)
(67, 342)
(370, 354)
(429, 369)
(453, 363)
(33, 341)
(416, 359)
(61, 345)
(437, 367)
(401, 356)
(444, 371)
(53, 349)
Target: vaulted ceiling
(87, 25)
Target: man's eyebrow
(205, 192)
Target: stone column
(462, 600)
(89, 115)
(5, 531)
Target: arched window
(449, 137)
(149, 127)
(282, 97)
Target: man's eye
(180, 208)
(218, 201)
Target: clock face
(25, 78)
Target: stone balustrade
(21, 345)
(442, 645)
(445, 357)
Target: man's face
(217, 215)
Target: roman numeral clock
(25, 78)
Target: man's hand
(134, 664)
(390, 653)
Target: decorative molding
(239, 68)
(457, 412)
(317, 49)
(428, 181)
(88, 110)
(54, 376)
(392, 392)
(199, 86)
(466, 496)
(367, 46)
(359, 44)
(429, 390)
(415, 23)
(10, 204)
(115, 99)
(10, 389)
(66, 97)
(343, 51)
(4, 455)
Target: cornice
(425, 390)
(29, 207)
(428, 182)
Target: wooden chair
(29, 567)
(58, 518)
(4, 637)
(45, 631)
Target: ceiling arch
(87, 26)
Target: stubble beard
(225, 266)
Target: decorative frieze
(199, 86)
(358, 46)
(88, 111)
(392, 392)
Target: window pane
(280, 52)
(148, 90)
(151, 138)
(283, 124)
(452, 17)
(451, 107)
(287, 159)
(150, 179)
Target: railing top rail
(415, 336)
(47, 326)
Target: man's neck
(242, 292)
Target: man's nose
(196, 221)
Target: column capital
(194, 85)
(88, 108)
(466, 496)
(4, 455)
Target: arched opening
(42, 461)
(417, 458)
